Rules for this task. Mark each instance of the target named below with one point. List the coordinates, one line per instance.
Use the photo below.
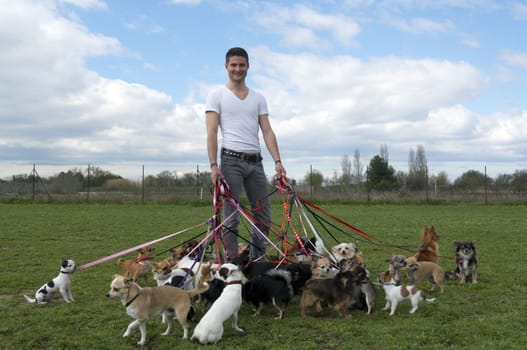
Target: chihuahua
(144, 303)
(322, 267)
(429, 248)
(338, 293)
(466, 261)
(426, 270)
(138, 267)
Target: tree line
(377, 175)
(380, 176)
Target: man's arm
(271, 143)
(212, 123)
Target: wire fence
(68, 192)
(96, 185)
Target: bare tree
(358, 170)
(417, 168)
(345, 179)
(384, 153)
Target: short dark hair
(236, 51)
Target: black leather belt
(249, 157)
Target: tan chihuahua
(144, 303)
(138, 267)
(426, 270)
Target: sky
(121, 85)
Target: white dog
(61, 284)
(210, 327)
(397, 293)
(343, 251)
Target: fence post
(426, 183)
(143, 186)
(311, 181)
(88, 186)
(486, 182)
(33, 177)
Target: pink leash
(129, 250)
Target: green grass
(488, 315)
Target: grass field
(488, 315)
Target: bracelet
(277, 161)
(212, 165)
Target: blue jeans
(242, 174)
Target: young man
(241, 113)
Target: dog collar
(138, 260)
(66, 272)
(131, 300)
(234, 282)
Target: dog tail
(451, 275)
(424, 297)
(30, 300)
(200, 288)
(285, 276)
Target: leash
(129, 250)
(224, 195)
(366, 237)
(287, 190)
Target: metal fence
(57, 192)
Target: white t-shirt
(238, 118)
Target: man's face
(237, 67)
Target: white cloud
(185, 2)
(352, 90)
(506, 128)
(519, 11)
(343, 28)
(56, 110)
(301, 26)
(471, 43)
(87, 4)
(145, 24)
(421, 25)
(53, 102)
(514, 58)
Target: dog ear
(413, 267)
(456, 244)
(223, 272)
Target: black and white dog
(466, 261)
(60, 284)
(210, 328)
(300, 273)
(272, 287)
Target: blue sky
(122, 84)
